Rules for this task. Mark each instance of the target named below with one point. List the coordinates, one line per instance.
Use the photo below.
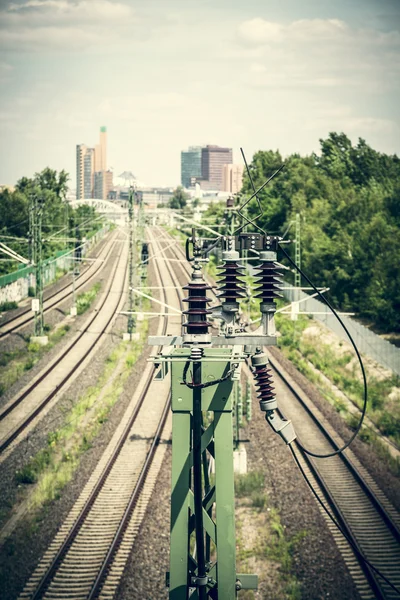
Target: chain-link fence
(367, 341)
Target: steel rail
(58, 558)
(350, 466)
(18, 326)
(136, 492)
(131, 505)
(348, 523)
(18, 430)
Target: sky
(163, 75)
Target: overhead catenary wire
(364, 408)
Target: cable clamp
(284, 428)
(199, 581)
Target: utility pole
(297, 278)
(297, 260)
(37, 302)
(132, 256)
(75, 270)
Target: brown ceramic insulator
(230, 286)
(197, 308)
(263, 377)
(268, 282)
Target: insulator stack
(269, 279)
(263, 376)
(197, 306)
(231, 288)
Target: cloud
(35, 25)
(92, 10)
(258, 31)
(316, 53)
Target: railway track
(23, 411)
(88, 555)
(55, 298)
(346, 489)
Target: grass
(14, 364)
(314, 358)
(85, 300)
(248, 483)
(54, 466)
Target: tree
(179, 199)
(349, 199)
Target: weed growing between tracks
(14, 364)
(85, 300)
(262, 544)
(54, 466)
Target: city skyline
(260, 76)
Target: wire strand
(364, 408)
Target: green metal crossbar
(218, 506)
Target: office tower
(232, 177)
(108, 182)
(84, 171)
(213, 158)
(90, 162)
(190, 165)
(103, 183)
(101, 151)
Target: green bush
(8, 305)
(31, 291)
(388, 424)
(248, 483)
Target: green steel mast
(37, 214)
(132, 255)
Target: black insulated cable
(334, 521)
(364, 408)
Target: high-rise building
(84, 171)
(213, 158)
(103, 183)
(190, 165)
(89, 163)
(232, 177)
(101, 151)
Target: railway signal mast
(204, 369)
(36, 214)
(132, 266)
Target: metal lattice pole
(37, 212)
(297, 279)
(132, 244)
